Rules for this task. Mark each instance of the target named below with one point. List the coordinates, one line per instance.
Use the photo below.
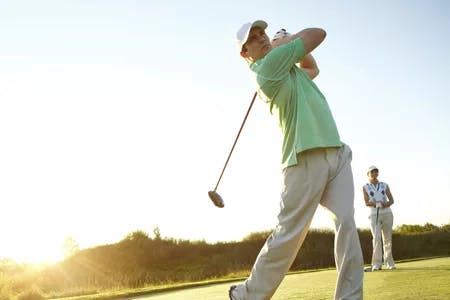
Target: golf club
(213, 195)
(377, 228)
(378, 205)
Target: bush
(32, 294)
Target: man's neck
(373, 181)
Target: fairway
(424, 279)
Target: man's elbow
(312, 38)
(319, 34)
(322, 33)
(314, 73)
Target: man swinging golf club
(315, 163)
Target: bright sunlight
(43, 249)
(37, 254)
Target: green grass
(422, 279)
(425, 279)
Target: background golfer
(315, 163)
(378, 198)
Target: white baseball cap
(242, 33)
(371, 168)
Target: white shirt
(377, 193)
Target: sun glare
(35, 254)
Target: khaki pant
(322, 176)
(382, 230)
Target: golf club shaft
(237, 137)
(378, 210)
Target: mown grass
(424, 279)
(421, 279)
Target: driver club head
(216, 199)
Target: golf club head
(216, 199)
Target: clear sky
(118, 115)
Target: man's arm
(309, 65)
(390, 197)
(311, 37)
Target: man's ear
(244, 54)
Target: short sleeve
(278, 62)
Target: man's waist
(320, 149)
(373, 210)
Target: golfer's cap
(371, 168)
(242, 33)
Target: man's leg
(388, 221)
(338, 199)
(302, 190)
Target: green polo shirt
(303, 112)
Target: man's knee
(345, 222)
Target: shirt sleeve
(282, 59)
